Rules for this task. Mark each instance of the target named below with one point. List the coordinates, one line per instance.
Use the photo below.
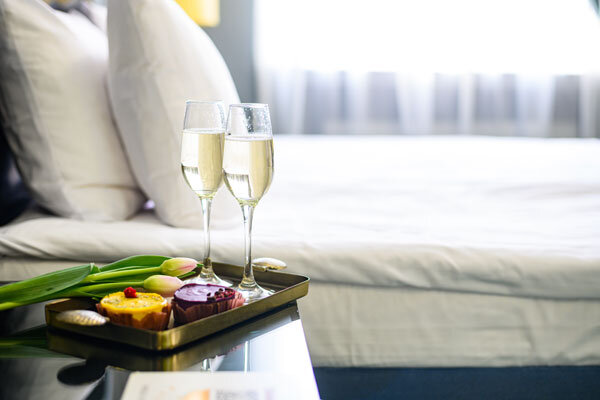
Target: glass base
(215, 280)
(253, 292)
(208, 276)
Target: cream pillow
(56, 114)
(159, 59)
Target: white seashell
(82, 317)
(268, 263)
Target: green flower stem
(7, 305)
(85, 289)
(191, 273)
(118, 274)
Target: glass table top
(37, 362)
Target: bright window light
(458, 36)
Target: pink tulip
(178, 266)
(162, 284)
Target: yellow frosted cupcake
(139, 310)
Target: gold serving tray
(136, 359)
(288, 287)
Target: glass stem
(207, 270)
(248, 279)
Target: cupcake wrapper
(155, 321)
(203, 310)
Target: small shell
(82, 317)
(268, 263)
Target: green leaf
(20, 351)
(141, 261)
(95, 269)
(34, 337)
(129, 268)
(30, 343)
(44, 285)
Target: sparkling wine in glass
(202, 165)
(248, 171)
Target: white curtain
(510, 67)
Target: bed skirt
(354, 326)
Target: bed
(422, 251)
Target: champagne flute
(248, 171)
(202, 166)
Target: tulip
(173, 267)
(92, 281)
(178, 266)
(162, 284)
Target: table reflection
(47, 363)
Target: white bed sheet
(485, 215)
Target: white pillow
(97, 14)
(56, 113)
(159, 58)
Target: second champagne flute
(248, 169)
(202, 166)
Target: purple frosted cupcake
(195, 301)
